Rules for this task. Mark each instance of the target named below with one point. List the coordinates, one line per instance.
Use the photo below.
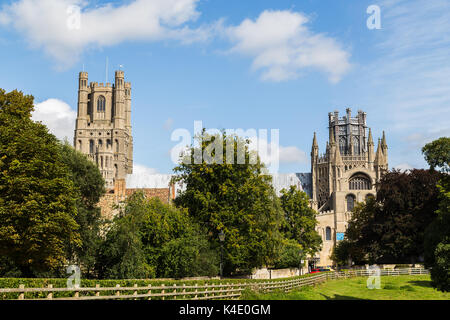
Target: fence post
(22, 294)
(97, 293)
(184, 291)
(135, 291)
(175, 291)
(50, 293)
(195, 297)
(118, 291)
(162, 292)
(149, 292)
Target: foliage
(342, 253)
(90, 187)
(437, 153)
(437, 239)
(37, 196)
(290, 255)
(234, 196)
(151, 239)
(300, 220)
(391, 229)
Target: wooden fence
(195, 292)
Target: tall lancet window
(343, 145)
(101, 101)
(356, 146)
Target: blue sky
(240, 64)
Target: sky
(239, 64)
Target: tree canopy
(90, 187)
(391, 229)
(232, 196)
(437, 235)
(151, 239)
(300, 220)
(37, 196)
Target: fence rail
(197, 292)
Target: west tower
(103, 126)
(345, 174)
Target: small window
(91, 146)
(328, 233)
(350, 202)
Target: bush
(440, 273)
(289, 255)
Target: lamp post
(222, 239)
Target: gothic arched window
(343, 145)
(356, 145)
(91, 146)
(359, 182)
(350, 202)
(101, 101)
(328, 233)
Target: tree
(122, 255)
(300, 221)
(437, 235)
(437, 153)
(90, 187)
(391, 229)
(361, 243)
(342, 253)
(232, 195)
(37, 196)
(152, 239)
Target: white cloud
(289, 154)
(57, 116)
(293, 154)
(283, 47)
(404, 167)
(52, 25)
(145, 177)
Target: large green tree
(37, 196)
(153, 239)
(437, 235)
(299, 225)
(437, 154)
(392, 228)
(90, 187)
(227, 190)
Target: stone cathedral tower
(345, 174)
(103, 127)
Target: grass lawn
(392, 288)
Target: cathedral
(342, 176)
